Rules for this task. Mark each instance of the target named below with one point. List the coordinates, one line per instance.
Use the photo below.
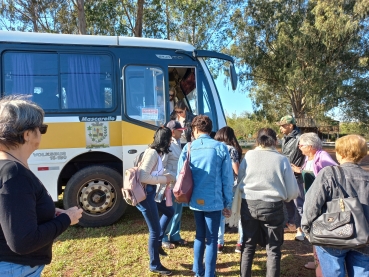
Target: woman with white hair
(316, 159)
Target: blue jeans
(11, 269)
(150, 210)
(207, 225)
(172, 233)
(299, 202)
(295, 208)
(333, 262)
(221, 230)
(290, 210)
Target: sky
(233, 101)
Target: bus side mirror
(234, 77)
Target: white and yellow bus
(103, 98)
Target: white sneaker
(300, 236)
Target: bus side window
(34, 74)
(144, 94)
(47, 96)
(84, 81)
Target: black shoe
(162, 270)
(162, 252)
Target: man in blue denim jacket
(212, 192)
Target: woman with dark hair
(227, 136)
(212, 192)
(29, 221)
(184, 116)
(151, 173)
(266, 180)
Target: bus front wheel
(96, 189)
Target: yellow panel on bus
(77, 134)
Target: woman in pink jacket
(316, 159)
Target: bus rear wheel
(97, 190)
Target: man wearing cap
(172, 235)
(290, 148)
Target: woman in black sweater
(29, 221)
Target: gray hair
(311, 139)
(17, 115)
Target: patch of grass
(121, 250)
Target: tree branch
(129, 18)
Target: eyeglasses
(179, 112)
(171, 95)
(43, 129)
(302, 145)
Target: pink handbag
(184, 185)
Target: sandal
(180, 242)
(168, 245)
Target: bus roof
(45, 38)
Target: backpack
(133, 191)
(138, 159)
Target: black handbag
(343, 225)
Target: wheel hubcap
(97, 197)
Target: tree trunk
(81, 17)
(138, 25)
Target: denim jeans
(335, 262)
(150, 210)
(290, 211)
(294, 208)
(11, 269)
(221, 230)
(262, 222)
(207, 226)
(172, 233)
(299, 202)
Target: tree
(247, 123)
(46, 16)
(203, 23)
(304, 57)
(80, 6)
(354, 128)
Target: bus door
(191, 85)
(144, 108)
(147, 105)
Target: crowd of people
(265, 193)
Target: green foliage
(203, 23)
(358, 128)
(248, 124)
(46, 16)
(304, 57)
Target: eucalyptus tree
(304, 57)
(37, 16)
